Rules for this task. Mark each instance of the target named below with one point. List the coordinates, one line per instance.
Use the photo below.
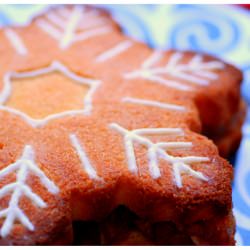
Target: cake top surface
(91, 113)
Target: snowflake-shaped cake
(134, 141)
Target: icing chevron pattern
(159, 150)
(23, 166)
(68, 26)
(196, 71)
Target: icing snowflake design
(23, 166)
(196, 71)
(159, 150)
(68, 26)
(54, 67)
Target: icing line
(70, 27)
(87, 166)
(155, 57)
(115, 51)
(93, 23)
(154, 104)
(16, 41)
(92, 33)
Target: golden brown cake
(101, 137)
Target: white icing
(53, 31)
(161, 105)
(115, 51)
(152, 59)
(89, 14)
(87, 166)
(16, 41)
(56, 19)
(63, 12)
(92, 33)
(158, 150)
(37, 123)
(181, 167)
(69, 26)
(23, 166)
(149, 75)
(158, 131)
(196, 71)
(55, 66)
(92, 19)
(93, 23)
